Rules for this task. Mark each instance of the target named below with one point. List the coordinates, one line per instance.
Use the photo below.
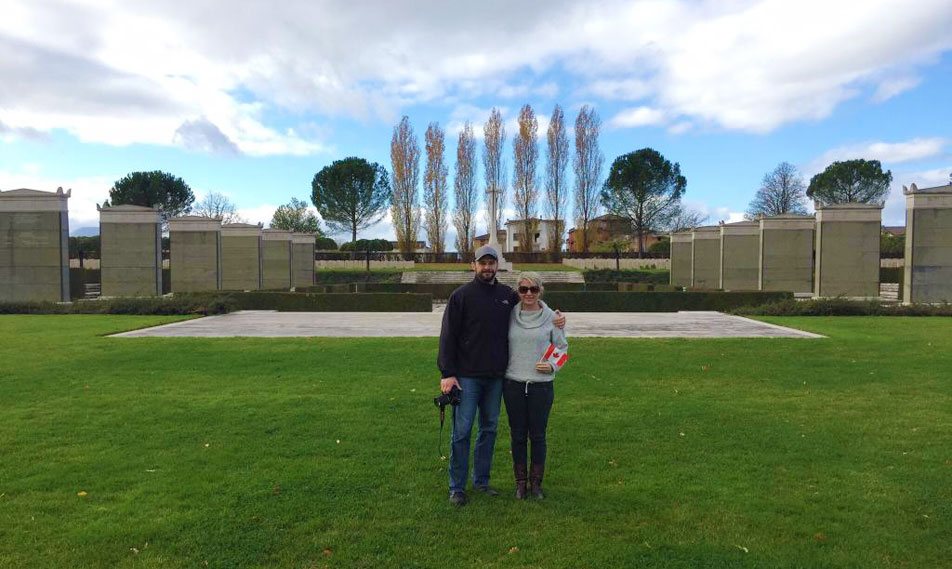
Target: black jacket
(474, 341)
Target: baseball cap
(486, 250)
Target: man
(473, 356)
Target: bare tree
(525, 191)
(434, 188)
(556, 187)
(686, 219)
(464, 185)
(494, 138)
(588, 170)
(781, 191)
(217, 206)
(405, 159)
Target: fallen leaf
(134, 550)
(742, 548)
(682, 434)
(820, 537)
(206, 445)
(328, 552)
(81, 493)
(276, 490)
(513, 549)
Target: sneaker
(487, 490)
(458, 498)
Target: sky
(251, 99)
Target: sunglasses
(532, 289)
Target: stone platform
(270, 324)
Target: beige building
(131, 251)
(544, 233)
(928, 256)
(34, 245)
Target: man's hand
(559, 320)
(447, 383)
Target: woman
(528, 389)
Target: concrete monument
(302, 259)
(786, 253)
(276, 259)
(740, 255)
(928, 275)
(847, 250)
(131, 251)
(681, 259)
(34, 245)
(705, 257)
(240, 256)
(195, 253)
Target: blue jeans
(485, 396)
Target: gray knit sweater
(530, 333)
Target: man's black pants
(528, 406)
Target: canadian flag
(555, 356)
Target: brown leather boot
(536, 472)
(522, 476)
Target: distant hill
(84, 232)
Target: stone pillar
(786, 253)
(34, 245)
(928, 263)
(131, 251)
(681, 259)
(847, 250)
(240, 256)
(740, 255)
(195, 253)
(276, 259)
(302, 260)
(705, 257)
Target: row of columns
(834, 253)
(205, 255)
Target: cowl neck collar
(533, 319)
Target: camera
(444, 399)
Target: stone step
(92, 290)
(509, 278)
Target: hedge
(627, 276)
(203, 304)
(843, 307)
(298, 302)
(342, 288)
(659, 301)
(337, 277)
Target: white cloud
(753, 65)
(886, 152)
(892, 87)
(638, 116)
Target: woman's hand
(544, 367)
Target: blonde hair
(533, 278)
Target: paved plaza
(270, 324)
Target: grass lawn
(323, 452)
